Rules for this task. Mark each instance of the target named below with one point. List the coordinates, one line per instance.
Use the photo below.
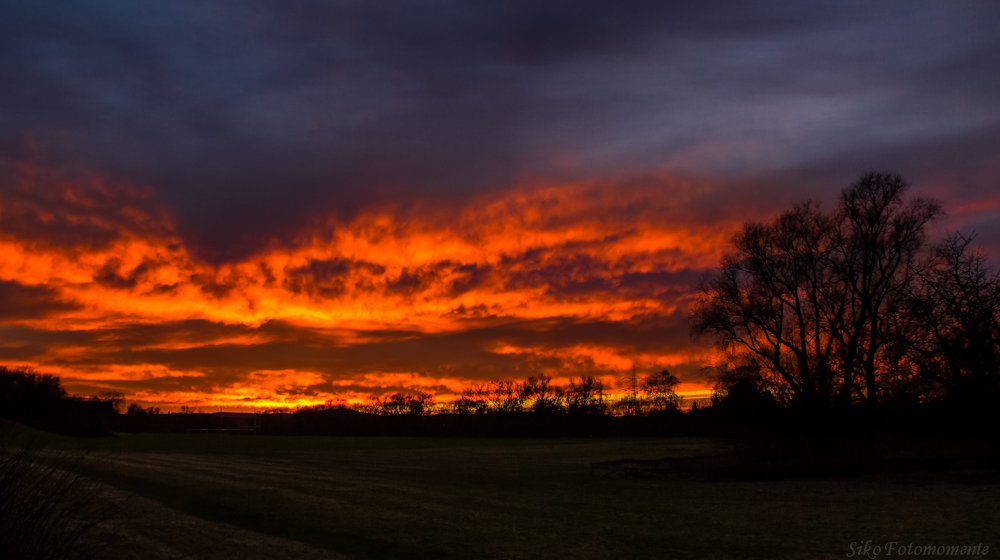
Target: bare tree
(661, 389)
(774, 303)
(811, 301)
(415, 404)
(586, 395)
(505, 395)
(544, 396)
(876, 251)
(471, 401)
(956, 312)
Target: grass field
(303, 497)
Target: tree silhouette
(470, 401)
(660, 387)
(812, 302)
(505, 395)
(876, 259)
(586, 395)
(545, 396)
(404, 403)
(26, 395)
(955, 308)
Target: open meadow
(324, 497)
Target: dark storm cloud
(244, 116)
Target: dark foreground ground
(324, 497)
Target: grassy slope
(451, 498)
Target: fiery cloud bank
(246, 204)
(99, 288)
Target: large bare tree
(809, 300)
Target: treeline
(824, 314)
(533, 407)
(584, 395)
(39, 400)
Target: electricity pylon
(633, 386)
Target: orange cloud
(536, 258)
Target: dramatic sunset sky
(251, 203)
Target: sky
(245, 204)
